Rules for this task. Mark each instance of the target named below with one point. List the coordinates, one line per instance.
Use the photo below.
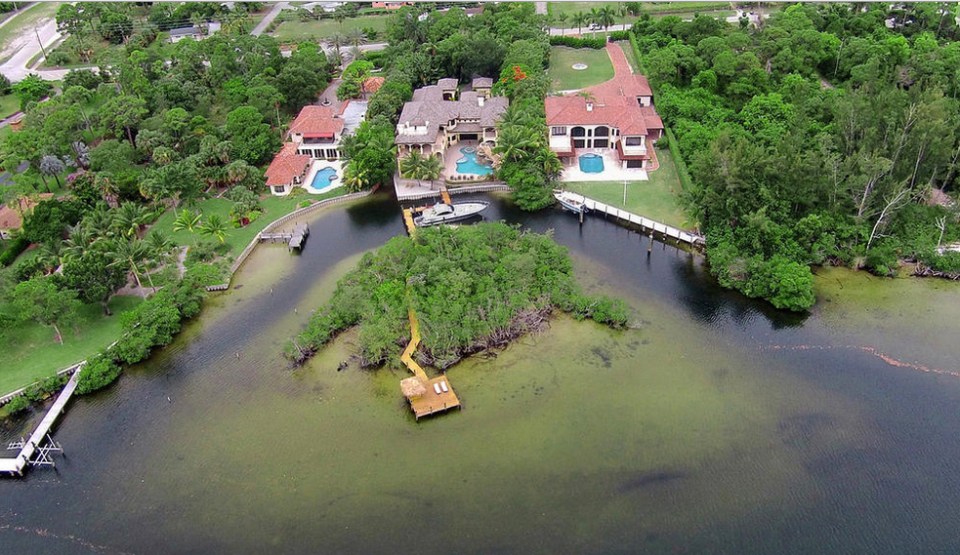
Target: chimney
(589, 106)
(480, 101)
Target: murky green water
(716, 426)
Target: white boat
(570, 201)
(443, 213)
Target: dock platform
(16, 465)
(644, 223)
(294, 239)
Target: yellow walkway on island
(408, 221)
(426, 396)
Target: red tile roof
(371, 85)
(286, 165)
(10, 216)
(614, 101)
(316, 119)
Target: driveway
(265, 22)
(26, 46)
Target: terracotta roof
(316, 119)
(371, 85)
(10, 216)
(286, 165)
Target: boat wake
(870, 350)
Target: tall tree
(40, 300)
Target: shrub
(205, 251)
(14, 248)
(881, 260)
(99, 372)
(5, 85)
(16, 405)
(44, 388)
(576, 42)
(82, 78)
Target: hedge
(13, 250)
(575, 42)
(682, 172)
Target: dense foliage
(472, 287)
(820, 136)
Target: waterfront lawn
(657, 199)
(564, 78)
(297, 31)
(29, 351)
(236, 238)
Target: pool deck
(451, 156)
(318, 165)
(611, 169)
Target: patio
(612, 169)
(450, 158)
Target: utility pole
(624, 193)
(40, 42)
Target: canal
(717, 425)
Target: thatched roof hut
(412, 387)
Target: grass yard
(564, 78)
(657, 199)
(571, 8)
(66, 55)
(631, 55)
(237, 238)
(296, 31)
(9, 104)
(24, 22)
(30, 352)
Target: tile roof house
(617, 114)
(435, 118)
(287, 170)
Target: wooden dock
(647, 224)
(16, 465)
(408, 221)
(294, 239)
(426, 396)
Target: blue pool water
(470, 165)
(591, 163)
(324, 178)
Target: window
(634, 141)
(635, 163)
(279, 189)
(558, 131)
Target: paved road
(274, 12)
(26, 47)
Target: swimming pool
(470, 165)
(324, 178)
(591, 163)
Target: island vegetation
(472, 288)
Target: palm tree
(215, 226)
(355, 179)
(80, 241)
(562, 19)
(410, 165)
(51, 165)
(50, 256)
(186, 220)
(515, 142)
(551, 165)
(356, 37)
(431, 168)
(594, 18)
(337, 41)
(580, 19)
(130, 218)
(607, 16)
(160, 242)
(130, 254)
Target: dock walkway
(294, 239)
(665, 230)
(17, 464)
(428, 396)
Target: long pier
(654, 226)
(16, 465)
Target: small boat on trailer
(443, 213)
(570, 201)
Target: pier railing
(654, 226)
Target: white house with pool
(606, 132)
(311, 158)
(459, 126)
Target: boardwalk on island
(426, 396)
(16, 465)
(646, 224)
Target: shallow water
(718, 425)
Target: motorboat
(443, 213)
(570, 201)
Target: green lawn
(237, 238)
(65, 49)
(296, 31)
(571, 8)
(23, 22)
(562, 75)
(30, 352)
(9, 104)
(657, 199)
